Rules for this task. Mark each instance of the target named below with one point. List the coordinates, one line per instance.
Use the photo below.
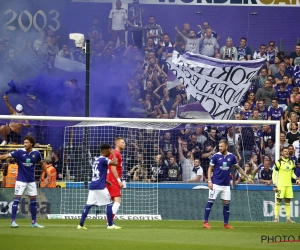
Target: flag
(172, 81)
(218, 85)
(68, 64)
(193, 110)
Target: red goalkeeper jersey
(110, 175)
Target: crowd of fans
(179, 155)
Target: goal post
(80, 144)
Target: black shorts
(13, 137)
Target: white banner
(218, 85)
(254, 3)
(68, 64)
(103, 217)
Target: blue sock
(208, 206)
(84, 214)
(33, 210)
(15, 208)
(226, 213)
(109, 214)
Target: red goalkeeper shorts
(114, 190)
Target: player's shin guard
(226, 213)
(33, 210)
(208, 206)
(115, 209)
(84, 214)
(109, 214)
(276, 210)
(287, 211)
(15, 208)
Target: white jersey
(196, 172)
(118, 19)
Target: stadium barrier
(173, 204)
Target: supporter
(295, 56)
(209, 45)
(255, 115)
(172, 114)
(139, 173)
(274, 68)
(65, 52)
(265, 176)
(204, 31)
(289, 69)
(208, 152)
(165, 49)
(52, 49)
(166, 100)
(174, 172)
(212, 138)
(116, 20)
(158, 169)
(149, 47)
(185, 32)
(267, 93)
(283, 97)
(218, 56)
(155, 30)
(259, 81)
(267, 133)
(185, 162)
(253, 162)
(246, 143)
(244, 52)
(293, 134)
(293, 107)
(178, 102)
(194, 145)
(270, 149)
(272, 53)
(251, 99)
(283, 143)
(293, 117)
(136, 16)
(295, 92)
(48, 181)
(281, 74)
(232, 139)
(197, 172)
(168, 144)
(249, 172)
(11, 132)
(246, 111)
(57, 164)
(229, 51)
(38, 42)
(94, 31)
(276, 113)
(192, 44)
(261, 53)
(294, 150)
(10, 173)
(262, 110)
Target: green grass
(143, 235)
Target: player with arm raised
(26, 158)
(114, 176)
(220, 165)
(282, 179)
(98, 193)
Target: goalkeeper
(282, 180)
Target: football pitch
(63, 234)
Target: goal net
(152, 146)
(140, 192)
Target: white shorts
(99, 197)
(224, 190)
(28, 187)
